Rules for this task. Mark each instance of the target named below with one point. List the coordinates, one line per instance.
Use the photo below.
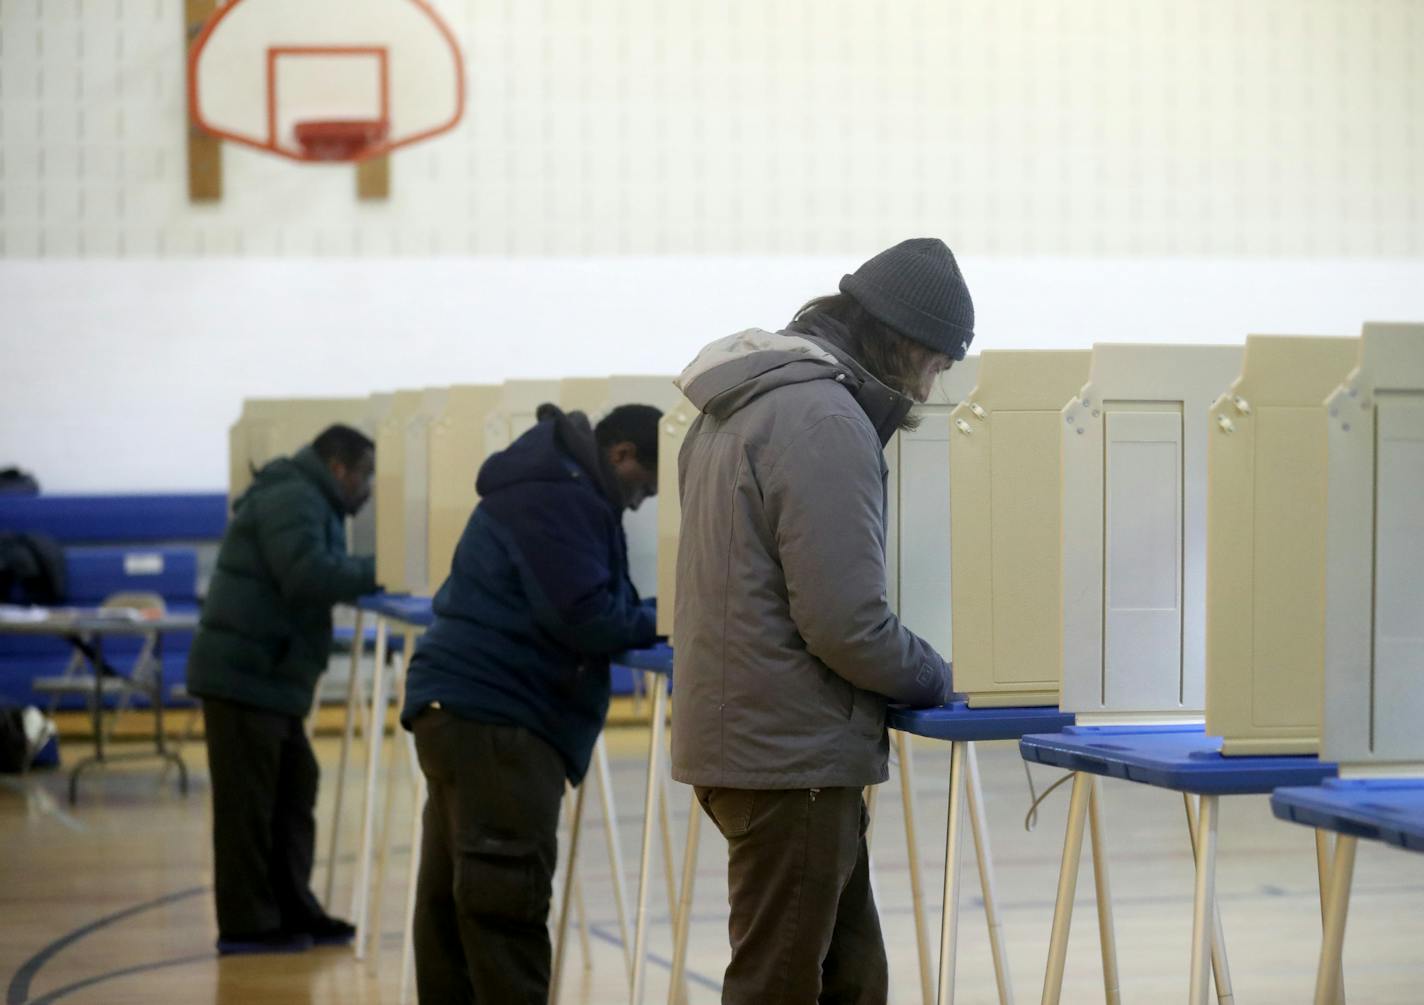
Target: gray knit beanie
(916, 288)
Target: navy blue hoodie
(538, 596)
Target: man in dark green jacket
(264, 641)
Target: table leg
(979, 828)
(1322, 866)
(615, 850)
(1220, 968)
(669, 861)
(94, 652)
(1204, 902)
(1107, 938)
(378, 884)
(678, 978)
(160, 737)
(949, 924)
(650, 803)
(903, 746)
(1067, 888)
(1337, 907)
(561, 934)
(353, 688)
(375, 734)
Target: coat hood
(559, 448)
(734, 371)
(304, 464)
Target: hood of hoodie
(304, 464)
(734, 371)
(560, 447)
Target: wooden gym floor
(109, 901)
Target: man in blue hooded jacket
(508, 690)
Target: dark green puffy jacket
(265, 635)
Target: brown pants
(804, 926)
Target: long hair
(896, 361)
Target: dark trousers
(486, 862)
(804, 926)
(264, 780)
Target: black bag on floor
(32, 569)
(14, 745)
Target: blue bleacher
(117, 519)
(112, 544)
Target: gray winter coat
(786, 649)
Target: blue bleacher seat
(107, 519)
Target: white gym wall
(634, 177)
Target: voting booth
(1266, 478)
(389, 493)
(1374, 555)
(420, 577)
(1005, 525)
(917, 541)
(269, 428)
(457, 449)
(672, 431)
(517, 411)
(1134, 443)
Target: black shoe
(331, 932)
(264, 942)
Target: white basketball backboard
(326, 79)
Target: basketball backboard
(326, 80)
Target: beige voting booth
(1134, 444)
(420, 577)
(363, 524)
(1266, 476)
(517, 411)
(1374, 556)
(917, 541)
(1005, 514)
(671, 432)
(269, 428)
(457, 449)
(389, 494)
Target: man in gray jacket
(787, 651)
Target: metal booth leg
(1067, 888)
(949, 926)
(1337, 906)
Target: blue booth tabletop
(1184, 759)
(656, 658)
(957, 721)
(401, 607)
(1379, 809)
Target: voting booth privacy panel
(917, 540)
(269, 428)
(1266, 528)
(1005, 527)
(1134, 443)
(457, 449)
(671, 433)
(391, 505)
(1374, 554)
